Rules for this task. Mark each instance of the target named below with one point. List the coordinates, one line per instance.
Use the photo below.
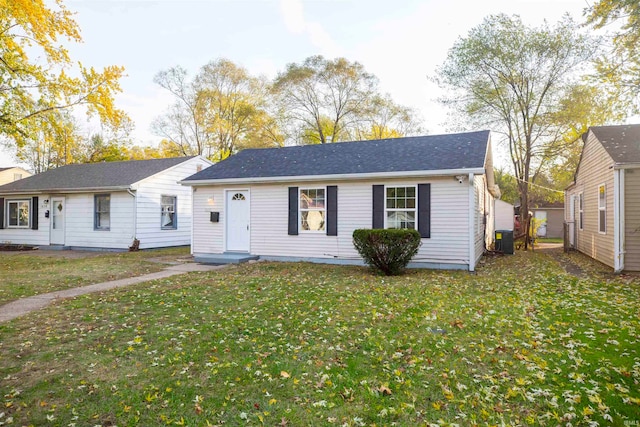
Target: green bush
(388, 251)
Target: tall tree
(383, 118)
(223, 109)
(323, 98)
(32, 88)
(513, 78)
(620, 67)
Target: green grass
(550, 240)
(519, 343)
(26, 274)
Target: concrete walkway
(27, 305)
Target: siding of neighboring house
(448, 245)
(80, 222)
(632, 219)
(149, 194)
(594, 170)
(9, 175)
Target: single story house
(602, 205)
(101, 205)
(304, 202)
(13, 173)
(549, 219)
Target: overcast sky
(400, 41)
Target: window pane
(13, 214)
(391, 192)
(400, 191)
(391, 203)
(23, 218)
(401, 204)
(602, 196)
(411, 203)
(603, 221)
(411, 191)
(401, 219)
(313, 220)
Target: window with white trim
(580, 211)
(18, 213)
(602, 209)
(168, 205)
(102, 210)
(400, 207)
(312, 209)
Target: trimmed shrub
(388, 251)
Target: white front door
(237, 220)
(541, 219)
(57, 213)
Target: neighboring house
(602, 206)
(12, 174)
(304, 202)
(549, 220)
(101, 205)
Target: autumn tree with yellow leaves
(38, 79)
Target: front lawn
(31, 273)
(518, 343)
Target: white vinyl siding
(449, 242)
(79, 221)
(149, 194)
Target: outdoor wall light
(210, 201)
(460, 178)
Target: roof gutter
(66, 190)
(334, 177)
(617, 166)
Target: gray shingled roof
(420, 153)
(92, 176)
(621, 142)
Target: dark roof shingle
(621, 142)
(92, 175)
(432, 152)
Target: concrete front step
(225, 258)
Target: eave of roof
(336, 177)
(68, 190)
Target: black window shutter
(424, 210)
(1, 212)
(378, 206)
(332, 210)
(34, 213)
(293, 211)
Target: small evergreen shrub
(388, 251)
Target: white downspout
(472, 240)
(618, 220)
(135, 213)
